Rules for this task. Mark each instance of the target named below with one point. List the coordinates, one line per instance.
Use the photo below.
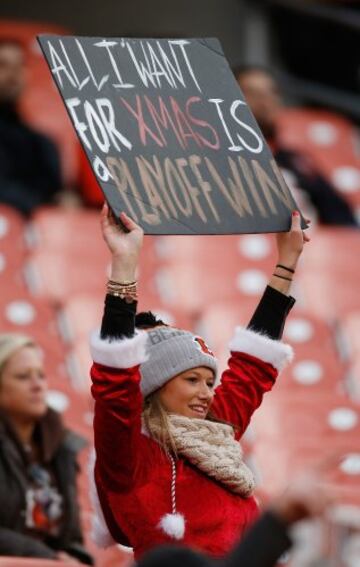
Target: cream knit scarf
(212, 448)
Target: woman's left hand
(290, 244)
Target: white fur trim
(275, 352)
(100, 534)
(121, 353)
(173, 525)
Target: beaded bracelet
(124, 290)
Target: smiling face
(23, 385)
(190, 393)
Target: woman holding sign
(169, 465)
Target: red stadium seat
(329, 272)
(350, 329)
(41, 104)
(12, 242)
(303, 433)
(251, 248)
(218, 321)
(22, 313)
(12, 227)
(337, 468)
(304, 331)
(76, 230)
(75, 405)
(229, 252)
(313, 374)
(353, 379)
(195, 270)
(80, 315)
(326, 420)
(69, 254)
(57, 277)
(11, 271)
(79, 363)
(12, 249)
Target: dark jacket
(331, 207)
(58, 451)
(30, 173)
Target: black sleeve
(270, 315)
(262, 545)
(118, 319)
(15, 544)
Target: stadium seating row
(52, 274)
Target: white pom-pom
(173, 525)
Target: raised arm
(257, 355)
(117, 354)
(289, 247)
(125, 250)
(270, 315)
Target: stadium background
(53, 268)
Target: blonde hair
(10, 343)
(156, 418)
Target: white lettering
(97, 129)
(260, 144)
(218, 102)
(58, 67)
(108, 44)
(181, 43)
(81, 127)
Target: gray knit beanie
(172, 351)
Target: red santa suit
(133, 474)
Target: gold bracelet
(121, 287)
(124, 290)
(123, 284)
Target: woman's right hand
(124, 247)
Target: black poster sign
(169, 135)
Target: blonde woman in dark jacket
(39, 514)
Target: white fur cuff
(274, 352)
(120, 353)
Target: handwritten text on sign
(169, 135)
